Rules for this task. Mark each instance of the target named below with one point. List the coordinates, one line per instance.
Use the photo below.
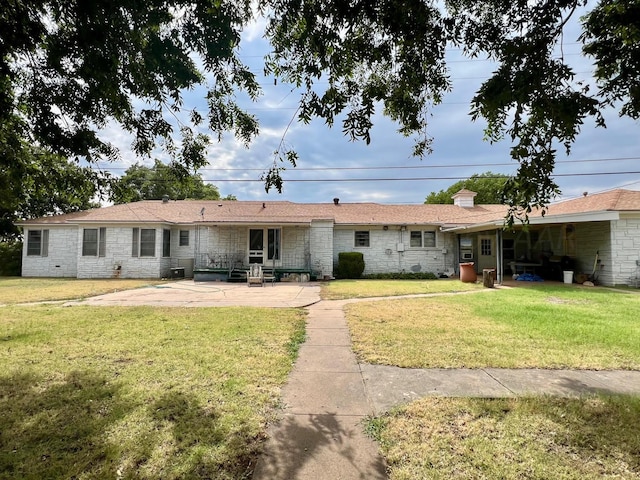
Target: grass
(186, 393)
(144, 393)
(26, 290)
(525, 438)
(343, 289)
(535, 327)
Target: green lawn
(535, 438)
(342, 289)
(536, 327)
(542, 326)
(142, 393)
(173, 393)
(25, 290)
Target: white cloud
(457, 141)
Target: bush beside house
(10, 259)
(350, 265)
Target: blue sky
(385, 171)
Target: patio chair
(254, 275)
(269, 275)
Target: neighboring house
(153, 239)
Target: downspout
(500, 257)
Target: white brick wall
(226, 240)
(118, 253)
(295, 247)
(62, 258)
(625, 241)
(183, 256)
(592, 237)
(321, 243)
(220, 241)
(382, 255)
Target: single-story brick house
(155, 239)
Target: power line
(398, 167)
(407, 179)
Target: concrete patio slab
(188, 293)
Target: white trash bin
(568, 276)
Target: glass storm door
(256, 246)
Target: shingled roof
(284, 212)
(618, 200)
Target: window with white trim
(38, 243)
(361, 238)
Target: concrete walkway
(321, 435)
(329, 395)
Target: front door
(486, 252)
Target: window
(147, 242)
(38, 243)
(166, 243)
(184, 238)
(90, 242)
(273, 244)
(143, 243)
(429, 239)
(418, 239)
(361, 239)
(415, 239)
(135, 244)
(485, 247)
(94, 242)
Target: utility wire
(398, 167)
(396, 179)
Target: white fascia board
(476, 227)
(605, 215)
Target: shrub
(350, 265)
(10, 259)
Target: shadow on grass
(61, 430)
(57, 431)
